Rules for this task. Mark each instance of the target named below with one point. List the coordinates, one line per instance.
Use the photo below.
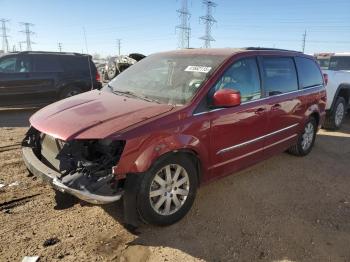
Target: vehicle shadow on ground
(286, 208)
(16, 118)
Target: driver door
(16, 85)
(237, 132)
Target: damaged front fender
(82, 168)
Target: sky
(149, 26)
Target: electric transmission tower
(119, 44)
(209, 21)
(184, 27)
(304, 42)
(59, 46)
(5, 43)
(28, 34)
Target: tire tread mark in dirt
(16, 202)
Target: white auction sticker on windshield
(200, 69)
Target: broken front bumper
(39, 169)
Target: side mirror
(226, 98)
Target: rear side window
(76, 64)
(47, 63)
(279, 75)
(339, 63)
(308, 72)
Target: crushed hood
(94, 115)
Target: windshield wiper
(132, 94)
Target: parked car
(39, 78)
(118, 64)
(336, 67)
(174, 121)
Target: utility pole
(5, 43)
(28, 34)
(209, 21)
(60, 47)
(304, 41)
(20, 46)
(119, 45)
(184, 27)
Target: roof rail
(52, 52)
(269, 49)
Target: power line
(209, 21)
(5, 43)
(304, 41)
(28, 33)
(184, 27)
(119, 45)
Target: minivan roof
(225, 51)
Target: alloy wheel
(169, 189)
(339, 114)
(308, 136)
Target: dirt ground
(283, 209)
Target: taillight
(98, 77)
(325, 77)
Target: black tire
(70, 91)
(148, 213)
(330, 121)
(112, 71)
(298, 149)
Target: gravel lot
(283, 209)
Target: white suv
(336, 69)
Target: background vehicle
(336, 66)
(118, 64)
(186, 117)
(37, 78)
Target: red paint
(226, 98)
(152, 130)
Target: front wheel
(167, 191)
(306, 140)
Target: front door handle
(260, 110)
(276, 107)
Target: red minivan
(173, 121)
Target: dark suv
(36, 78)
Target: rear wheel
(335, 118)
(306, 140)
(70, 91)
(112, 71)
(167, 191)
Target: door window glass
(24, 65)
(308, 72)
(340, 63)
(47, 63)
(279, 75)
(242, 76)
(8, 65)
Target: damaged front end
(82, 168)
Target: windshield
(323, 62)
(167, 78)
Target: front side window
(242, 76)
(24, 65)
(339, 63)
(308, 72)
(8, 65)
(279, 75)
